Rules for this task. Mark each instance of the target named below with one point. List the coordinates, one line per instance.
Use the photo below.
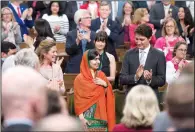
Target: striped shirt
(62, 21)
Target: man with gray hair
(58, 122)
(23, 99)
(25, 57)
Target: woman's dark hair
(188, 20)
(92, 53)
(60, 12)
(103, 37)
(177, 45)
(54, 105)
(43, 30)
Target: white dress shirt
(171, 73)
(146, 50)
(79, 3)
(166, 9)
(16, 8)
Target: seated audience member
(23, 99)
(10, 30)
(143, 64)
(56, 103)
(79, 40)
(23, 16)
(92, 7)
(7, 49)
(107, 61)
(160, 12)
(57, 123)
(98, 104)
(179, 101)
(104, 23)
(178, 62)
(140, 16)
(170, 36)
(140, 110)
(57, 20)
(125, 20)
(47, 53)
(186, 27)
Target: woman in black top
(107, 61)
(186, 28)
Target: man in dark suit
(106, 24)
(159, 12)
(143, 64)
(23, 101)
(144, 4)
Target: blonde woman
(47, 53)
(170, 36)
(10, 30)
(140, 16)
(140, 110)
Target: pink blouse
(132, 28)
(161, 45)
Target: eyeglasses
(182, 50)
(6, 13)
(86, 18)
(169, 26)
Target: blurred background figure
(23, 109)
(59, 122)
(140, 110)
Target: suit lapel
(136, 62)
(109, 23)
(148, 59)
(162, 10)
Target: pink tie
(19, 14)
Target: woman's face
(55, 8)
(127, 9)
(7, 15)
(170, 28)
(100, 45)
(51, 55)
(181, 52)
(145, 18)
(94, 64)
(181, 13)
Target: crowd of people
(159, 40)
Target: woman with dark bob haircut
(97, 107)
(58, 21)
(107, 61)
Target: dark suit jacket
(114, 28)
(17, 128)
(155, 61)
(180, 3)
(157, 13)
(75, 51)
(71, 8)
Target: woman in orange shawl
(93, 96)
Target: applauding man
(143, 64)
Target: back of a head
(141, 107)
(19, 84)
(27, 57)
(179, 101)
(58, 122)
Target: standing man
(108, 25)
(143, 64)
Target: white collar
(102, 19)
(167, 7)
(15, 6)
(146, 50)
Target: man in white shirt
(143, 64)
(159, 12)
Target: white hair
(141, 107)
(8, 63)
(27, 57)
(19, 84)
(79, 14)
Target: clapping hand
(87, 36)
(56, 28)
(181, 65)
(30, 11)
(148, 74)
(100, 82)
(139, 72)
(59, 61)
